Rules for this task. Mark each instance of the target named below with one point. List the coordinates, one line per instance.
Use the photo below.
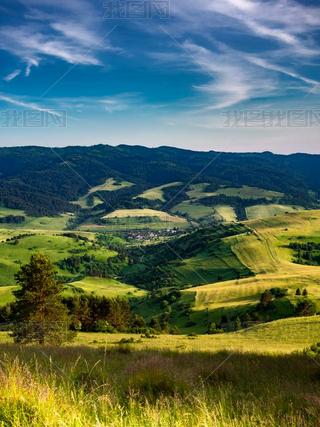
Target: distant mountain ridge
(43, 181)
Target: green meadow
(16, 252)
(106, 287)
(260, 375)
(121, 385)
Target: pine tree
(305, 293)
(40, 315)
(298, 292)
(237, 324)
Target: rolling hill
(42, 181)
(220, 238)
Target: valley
(220, 257)
(167, 274)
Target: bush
(103, 326)
(305, 308)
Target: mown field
(264, 251)
(265, 211)
(246, 192)
(144, 213)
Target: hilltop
(44, 181)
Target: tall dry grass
(82, 387)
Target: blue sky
(169, 74)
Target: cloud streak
(69, 31)
(12, 75)
(232, 80)
(28, 105)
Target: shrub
(305, 308)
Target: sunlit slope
(278, 337)
(263, 250)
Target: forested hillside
(43, 181)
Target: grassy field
(129, 224)
(7, 211)
(246, 192)
(145, 213)
(198, 211)
(253, 377)
(236, 296)
(265, 211)
(110, 184)
(206, 267)
(57, 247)
(198, 191)
(58, 222)
(264, 251)
(193, 210)
(82, 386)
(6, 295)
(156, 193)
(83, 202)
(279, 337)
(109, 288)
(227, 213)
(282, 336)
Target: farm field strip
(277, 337)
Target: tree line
(41, 314)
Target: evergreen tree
(298, 292)
(40, 315)
(265, 300)
(237, 324)
(305, 293)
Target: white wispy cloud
(286, 21)
(26, 104)
(30, 63)
(281, 69)
(231, 80)
(235, 75)
(111, 104)
(70, 31)
(12, 75)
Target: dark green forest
(42, 181)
